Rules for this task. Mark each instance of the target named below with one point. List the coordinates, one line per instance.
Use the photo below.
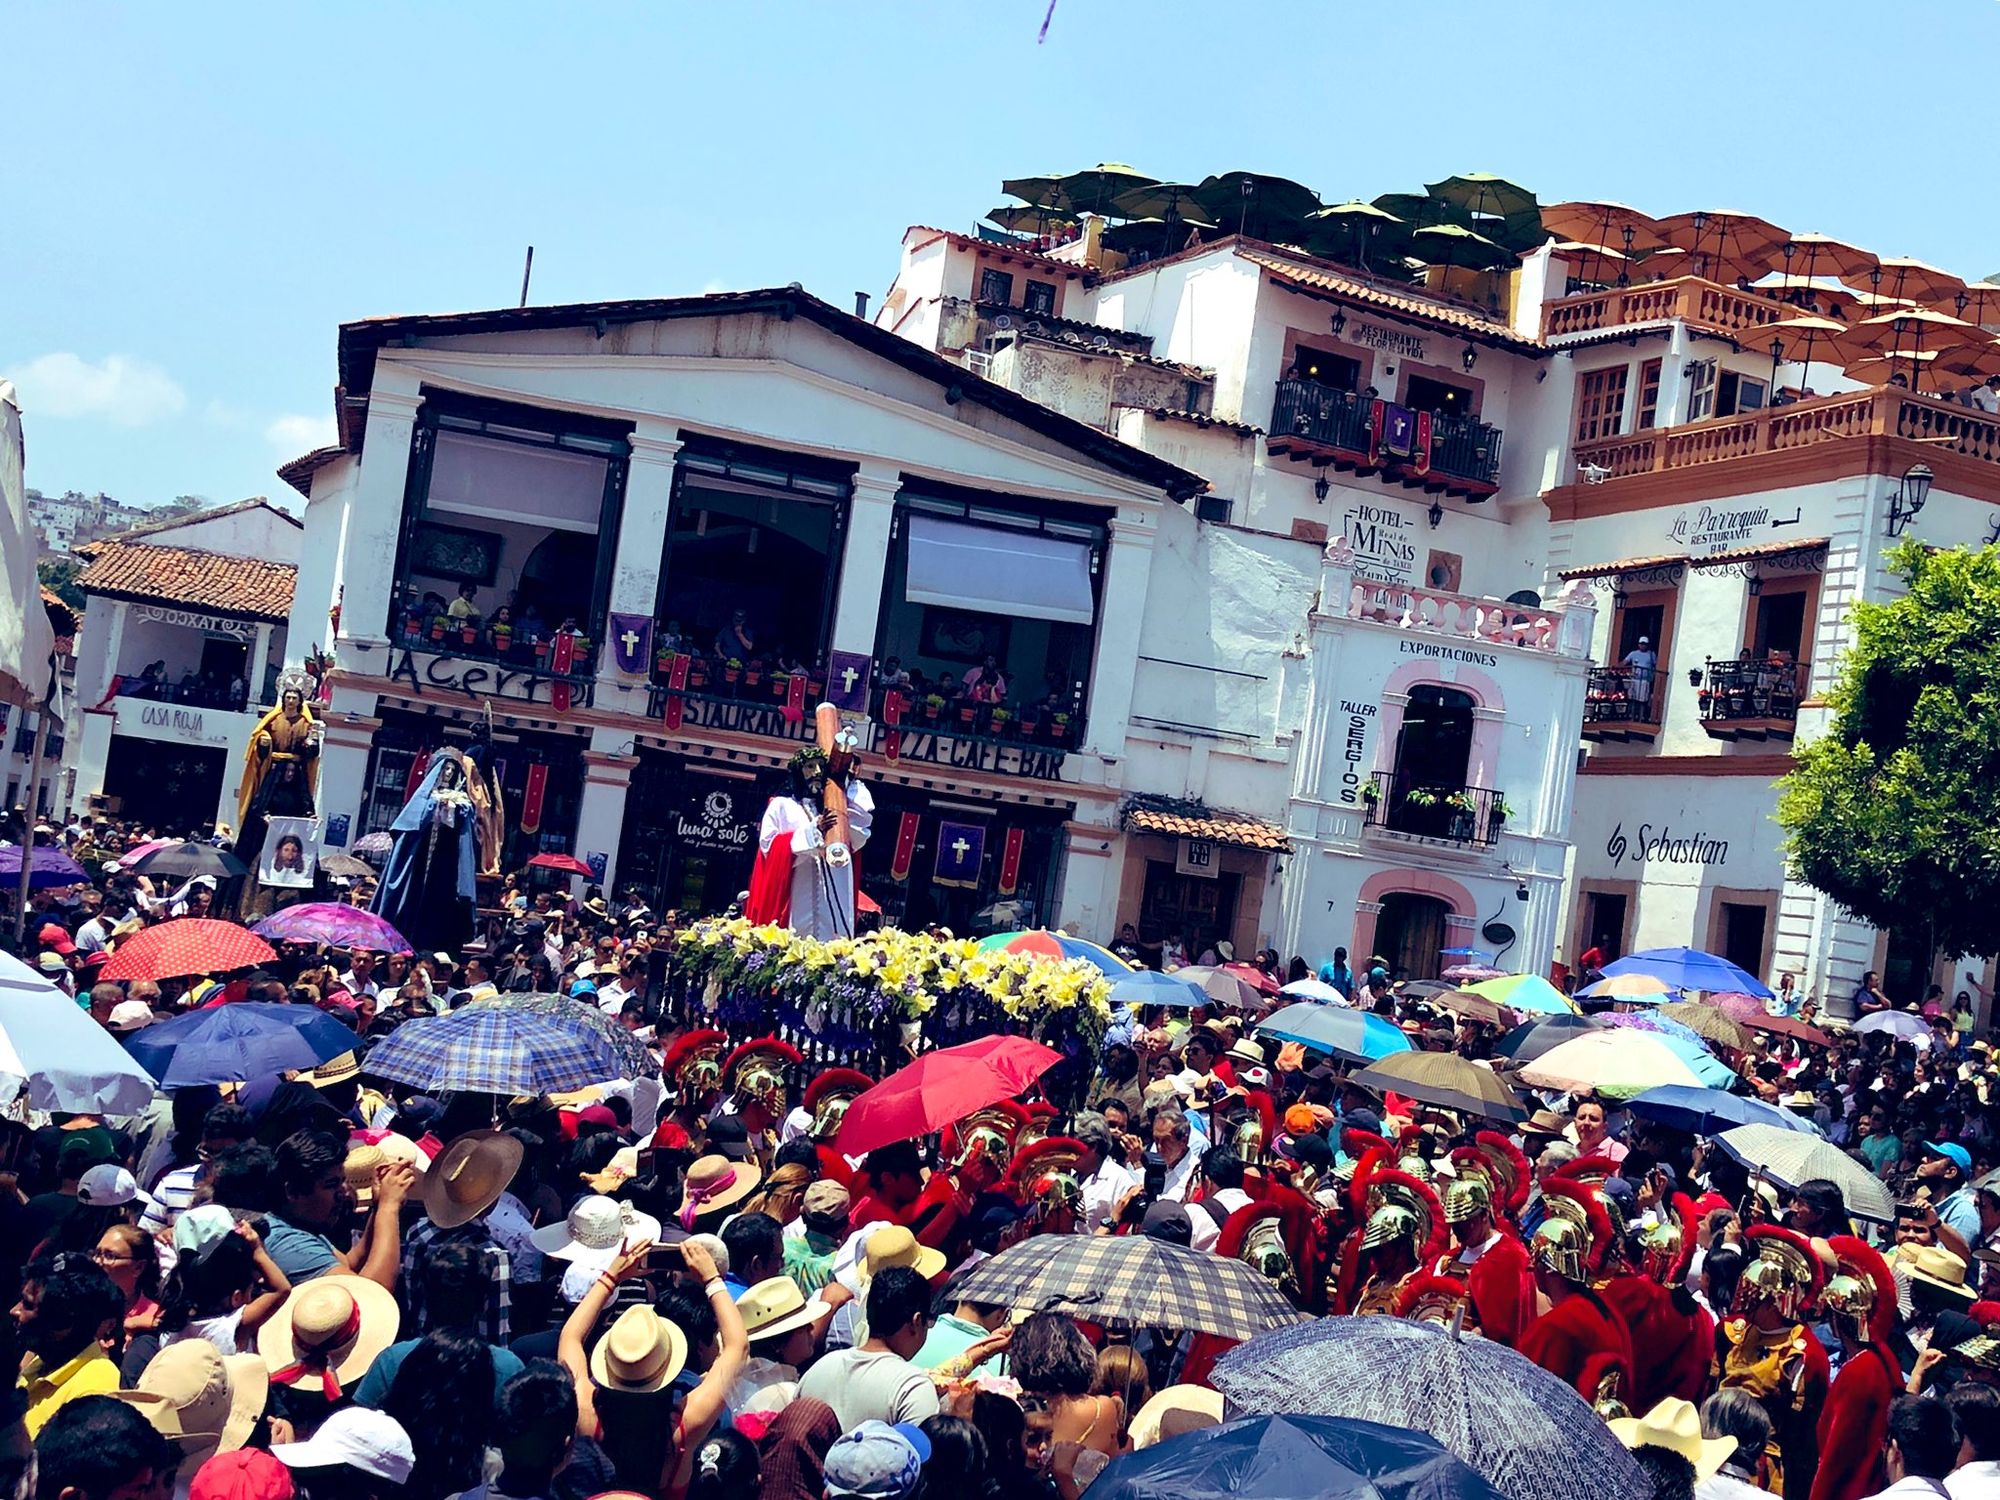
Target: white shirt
(1102, 1191)
(1986, 399)
(359, 987)
(1979, 1480)
(1912, 1487)
(1179, 1175)
(1205, 1216)
(611, 998)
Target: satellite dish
(1525, 596)
(1497, 933)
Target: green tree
(1895, 812)
(58, 576)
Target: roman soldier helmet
(1667, 1249)
(694, 1063)
(1783, 1269)
(995, 1128)
(1431, 1298)
(1588, 1169)
(1471, 1189)
(1255, 1235)
(1508, 1169)
(827, 1097)
(1403, 1209)
(1860, 1297)
(1252, 1133)
(756, 1071)
(1573, 1240)
(1041, 1118)
(1047, 1177)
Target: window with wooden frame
(1600, 407)
(1649, 395)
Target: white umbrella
(1789, 1157)
(62, 1059)
(1313, 989)
(1617, 1062)
(1900, 1024)
(25, 637)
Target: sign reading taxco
(1384, 540)
(1661, 845)
(192, 620)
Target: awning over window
(998, 572)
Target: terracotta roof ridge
(90, 549)
(190, 517)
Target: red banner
(1377, 415)
(417, 768)
(677, 673)
(892, 745)
(671, 715)
(559, 698)
(893, 704)
(906, 847)
(531, 799)
(1421, 459)
(795, 697)
(564, 656)
(1010, 861)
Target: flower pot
(503, 638)
(438, 624)
(730, 675)
(966, 715)
(470, 634)
(752, 678)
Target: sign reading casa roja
(1665, 847)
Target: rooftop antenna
(527, 270)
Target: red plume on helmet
(1587, 1207)
(687, 1045)
(1236, 1228)
(1005, 1117)
(781, 1052)
(832, 1080)
(1586, 1169)
(1033, 1165)
(1374, 1158)
(1358, 1143)
(1508, 1166)
(1429, 1297)
(1860, 1259)
(1260, 1103)
(1803, 1260)
(1689, 1219)
(1437, 1238)
(833, 1166)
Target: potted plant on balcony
(1002, 720)
(663, 659)
(967, 711)
(1420, 796)
(1059, 727)
(697, 671)
(732, 670)
(440, 623)
(1459, 804)
(1370, 793)
(781, 684)
(543, 646)
(933, 706)
(753, 672)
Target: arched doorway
(1409, 933)
(1433, 755)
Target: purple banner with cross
(847, 681)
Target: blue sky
(196, 196)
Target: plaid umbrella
(633, 1058)
(186, 947)
(1790, 1157)
(1525, 1430)
(486, 1049)
(335, 924)
(1131, 1279)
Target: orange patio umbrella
(1809, 255)
(1977, 302)
(1603, 223)
(1905, 276)
(1723, 243)
(1794, 339)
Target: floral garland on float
(873, 1001)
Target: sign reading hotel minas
(1384, 541)
(1662, 846)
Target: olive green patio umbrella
(1016, 219)
(1483, 194)
(1091, 190)
(1419, 209)
(1252, 203)
(1352, 229)
(1160, 235)
(1158, 200)
(1037, 192)
(1455, 245)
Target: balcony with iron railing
(1328, 428)
(1746, 698)
(1693, 300)
(1434, 812)
(1622, 703)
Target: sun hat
(469, 1175)
(640, 1352)
(362, 1162)
(334, 1070)
(877, 1461)
(1246, 1051)
(205, 1402)
(52, 963)
(1933, 1265)
(201, 1229)
(327, 1333)
(1952, 1152)
(777, 1306)
(1543, 1122)
(355, 1437)
(129, 1015)
(826, 1200)
(242, 1474)
(1173, 1411)
(1675, 1425)
(107, 1186)
(713, 1183)
(595, 1225)
(896, 1246)
(621, 1169)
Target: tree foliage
(58, 576)
(1895, 813)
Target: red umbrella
(568, 864)
(187, 947)
(941, 1088)
(1253, 976)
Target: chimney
(861, 305)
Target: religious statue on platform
(280, 778)
(804, 876)
(445, 836)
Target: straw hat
(1543, 1122)
(595, 1226)
(206, 1403)
(361, 1165)
(1935, 1266)
(334, 1070)
(328, 1331)
(469, 1176)
(1175, 1410)
(713, 1183)
(642, 1352)
(777, 1306)
(622, 1168)
(896, 1246)
(1676, 1426)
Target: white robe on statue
(822, 893)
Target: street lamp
(1320, 487)
(1436, 514)
(1469, 358)
(1912, 490)
(1338, 321)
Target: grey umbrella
(1528, 1432)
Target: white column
(1120, 624)
(864, 559)
(343, 766)
(642, 528)
(90, 691)
(367, 569)
(260, 654)
(1673, 403)
(600, 818)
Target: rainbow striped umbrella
(1039, 942)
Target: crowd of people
(332, 1282)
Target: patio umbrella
(1905, 276)
(1418, 209)
(1055, 946)
(1161, 235)
(1455, 245)
(1040, 192)
(1253, 976)
(1722, 243)
(335, 924)
(374, 845)
(1900, 327)
(55, 1055)
(1605, 222)
(1976, 302)
(1150, 987)
(47, 869)
(1277, 1458)
(1635, 986)
(1355, 226)
(1688, 969)
(1880, 369)
(346, 867)
(1356, 1035)
(941, 1087)
(1526, 1043)
(1091, 190)
(1790, 1026)
(1221, 987)
(1131, 1279)
(1484, 195)
(1899, 1024)
(482, 1049)
(1527, 1431)
(1701, 1111)
(1018, 220)
(1313, 989)
(1528, 992)
(1794, 338)
(1706, 1022)
(185, 861)
(1446, 1080)
(1165, 201)
(237, 1043)
(1809, 255)
(186, 947)
(634, 1057)
(1614, 1062)
(1256, 204)
(565, 864)
(1790, 1157)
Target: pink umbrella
(1473, 971)
(1738, 1006)
(132, 856)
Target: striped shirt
(173, 1195)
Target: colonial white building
(48, 796)
(184, 631)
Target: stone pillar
(864, 560)
(642, 528)
(258, 667)
(1120, 633)
(90, 691)
(367, 566)
(343, 766)
(600, 819)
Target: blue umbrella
(486, 1050)
(1151, 987)
(1280, 1458)
(49, 867)
(1358, 1035)
(1690, 969)
(237, 1043)
(1709, 1111)
(1526, 1043)
(1477, 953)
(62, 1059)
